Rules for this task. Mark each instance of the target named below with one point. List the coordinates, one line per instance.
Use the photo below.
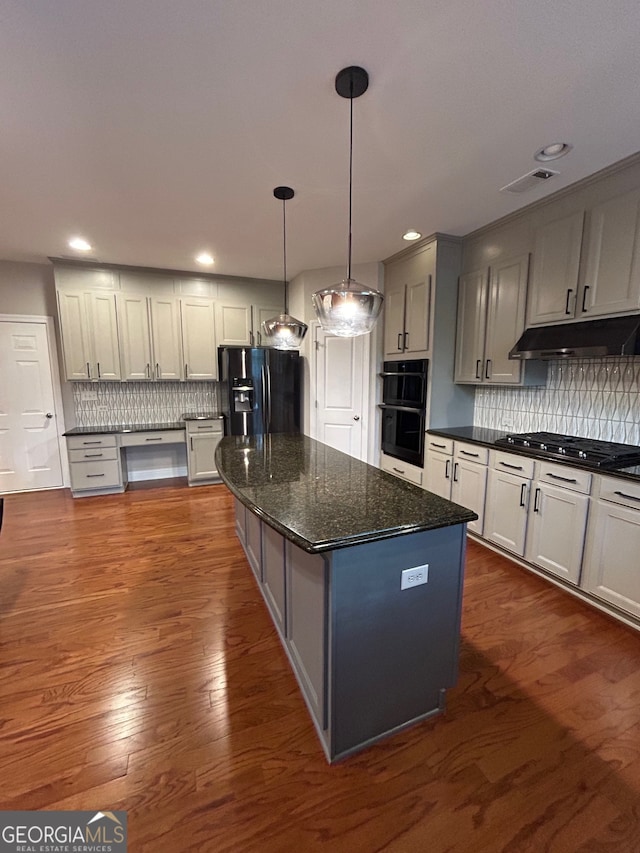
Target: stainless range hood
(588, 339)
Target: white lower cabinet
(469, 481)
(253, 543)
(506, 510)
(203, 437)
(401, 469)
(611, 564)
(558, 520)
(438, 466)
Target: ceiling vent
(528, 181)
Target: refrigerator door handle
(268, 373)
(263, 370)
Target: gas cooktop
(588, 451)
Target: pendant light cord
(350, 175)
(284, 254)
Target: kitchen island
(362, 574)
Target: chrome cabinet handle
(400, 341)
(95, 475)
(99, 441)
(88, 371)
(98, 366)
(93, 455)
(186, 370)
(251, 338)
(157, 370)
(148, 371)
(406, 340)
(159, 438)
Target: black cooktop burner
(589, 451)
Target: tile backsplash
(140, 402)
(594, 398)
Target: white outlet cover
(415, 576)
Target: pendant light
(349, 308)
(284, 331)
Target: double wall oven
(404, 404)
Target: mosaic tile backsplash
(593, 398)
(140, 402)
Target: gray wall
(27, 289)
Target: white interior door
(340, 379)
(29, 447)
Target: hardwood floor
(139, 671)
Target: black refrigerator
(260, 390)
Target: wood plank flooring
(139, 671)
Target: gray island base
(332, 541)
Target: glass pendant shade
(348, 309)
(284, 331)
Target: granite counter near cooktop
(488, 437)
(322, 499)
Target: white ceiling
(157, 128)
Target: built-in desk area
(100, 457)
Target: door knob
(356, 417)
(49, 415)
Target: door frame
(54, 365)
(365, 377)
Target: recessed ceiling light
(411, 235)
(79, 244)
(205, 259)
(553, 151)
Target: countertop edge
(328, 545)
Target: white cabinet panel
(167, 345)
(556, 260)
(75, 332)
(233, 325)
(469, 489)
(88, 325)
(135, 337)
(555, 540)
(506, 511)
(199, 338)
(438, 469)
(273, 575)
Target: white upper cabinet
(408, 304)
(241, 325)
(199, 338)
(165, 330)
(491, 310)
(556, 262)
(89, 335)
(150, 337)
(233, 325)
(135, 336)
(611, 280)
(587, 264)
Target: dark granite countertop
(322, 499)
(124, 428)
(487, 438)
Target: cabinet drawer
(623, 492)
(512, 464)
(81, 442)
(568, 478)
(472, 453)
(140, 439)
(202, 426)
(402, 469)
(440, 445)
(95, 475)
(104, 454)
